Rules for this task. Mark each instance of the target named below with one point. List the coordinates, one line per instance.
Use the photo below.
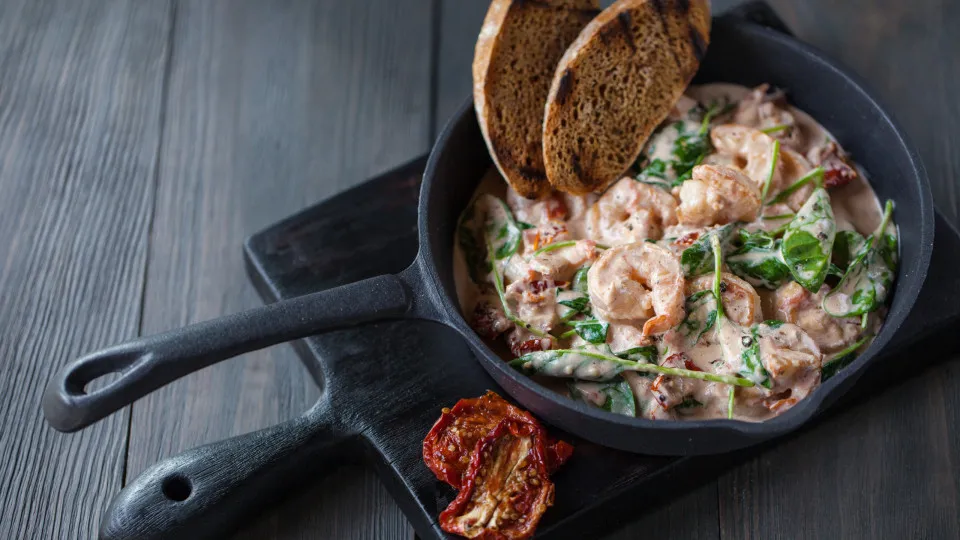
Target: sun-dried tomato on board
(507, 488)
(448, 447)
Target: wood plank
(272, 106)
(887, 468)
(80, 96)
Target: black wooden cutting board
(388, 381)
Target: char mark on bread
(699, 44)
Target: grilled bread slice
(615, 84)
(514, 62)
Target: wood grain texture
(271, 107)
(79, 132)
(887, 468)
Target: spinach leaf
(498, 285)
(868, 280)
(502, 229)
(592, 330)
(841, 359)
(648, 354)
(688, 152)
(846, 247)
(471, 248)
(758, 261)
(752, 367)
(688, 402)
(579, 282)
(701, 316)
(698, 258)
(615, 396)
(580, 305)
(597, 366)
(808, 241)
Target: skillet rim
(908, 286)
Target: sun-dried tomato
(556, 208)
(520, 348)
(837, 169)
(688, 239)
(507, 488)
(451, 441)
(489, 321)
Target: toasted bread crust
(615, 84)
(514, 61)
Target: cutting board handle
(207, 491)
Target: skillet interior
(746, 54)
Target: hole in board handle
(177, 488)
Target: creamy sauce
(614, 315)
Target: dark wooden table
(142, 140)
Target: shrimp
(629, 212)
(793, 360)
(796, 305)
(717, 195)
(765, 109)
(638, 282)
(560, 264)
(752, 151)
(550, 216)
(741, 303)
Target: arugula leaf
(689, 150)
(866, 284)
(698, 258)
(758, 261)
(808, 241)
(615, 396)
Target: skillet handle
(209, 491)
(147, 363)
(759, 12)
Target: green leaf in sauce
(846, 247)
(688, 402)
(841, 359)
(579, 282)
(757, 260)
(580, 305)
(615, 396)
(502, 229)
(592, 330)
(644, 354)
(701, 316)
(808, 241)
(598, 366)
(698, 258)
(866, 284)
(752, 367)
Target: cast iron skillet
(740, 52)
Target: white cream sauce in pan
(603, 296)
